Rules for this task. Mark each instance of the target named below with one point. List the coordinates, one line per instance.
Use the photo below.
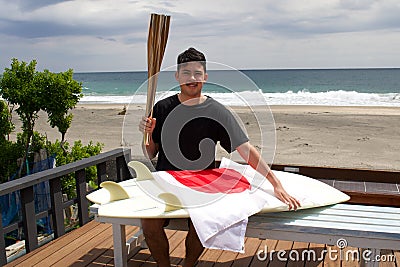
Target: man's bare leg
(194, 248)
(156, 240)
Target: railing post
(3, 256)
(57, 207)
(122, 167)
(29, 218)
(101, 172)
(83, 207)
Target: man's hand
(147, 125)
(253, 158)
(283, 196)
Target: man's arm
(250, 154)
(147, 125)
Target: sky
(111, 35)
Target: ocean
(336, 87)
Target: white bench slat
(393, 221)
(323, 219)
(331, 216)
(352, 213)
(375, 230)
(370, 212)
(355, 207)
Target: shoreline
(308, 135)
(387, 110)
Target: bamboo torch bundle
(156, 43)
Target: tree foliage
(62, 94)
(19, 87)
(6, 126)
(77, 152)
(31, 91)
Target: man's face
(191, 77)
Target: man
(183, 132)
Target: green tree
(62, 94)
(6, 126)
(19, 87)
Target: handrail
(46, 175)
(364, 175)
(53, 176)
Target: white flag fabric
(219, 202)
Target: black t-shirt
(187, 135)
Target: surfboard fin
(172, 202)
(142, 172)
(117, 192)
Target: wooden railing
(25, 186)
(356, 178)
(343, 174)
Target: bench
(370, 228)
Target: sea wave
(302, 97)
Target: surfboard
(144, 197)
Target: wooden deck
(91, 245)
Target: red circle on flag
(213, 181)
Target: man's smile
(193, 85)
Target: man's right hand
(147, 125)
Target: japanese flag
(219, 202)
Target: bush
(6, 126)
(77, 152)
(10, 153)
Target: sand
(347, 137)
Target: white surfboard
(143, 197)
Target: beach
(333, 136)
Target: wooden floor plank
(91, 245)
(95, 255)
(330, 259)
(70, 253)
(281, 253)
(226, 259)
(105, 259)
(54, 245)
(295, 255)
(388, 258)
(251, 248)
(143, 257)
(262, 257)
(320, 254)
(349, 257)
(177, 247)
(397, 258)
(150, 262)
(208, 258)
